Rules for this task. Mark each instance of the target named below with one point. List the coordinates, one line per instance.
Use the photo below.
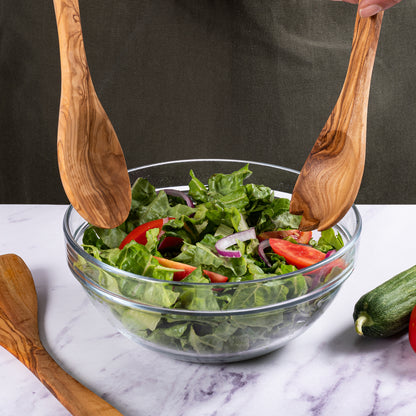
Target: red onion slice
(262, 246)
(222, 245)
(180, 194)
(330, 253)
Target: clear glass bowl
(212, 335)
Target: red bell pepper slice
(412, 329)
(215, 277)
(301, 237)
(298, 255)
(139, 233)
(185, 269)
(169, 242)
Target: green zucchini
(385, 310)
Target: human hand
(369, 8)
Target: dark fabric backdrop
(182, 79)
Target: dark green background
(185, 79)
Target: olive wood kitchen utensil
(19, 334)
(331, 176)
(91, 162)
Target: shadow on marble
(347, 341)
(41, 278)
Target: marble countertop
(328, 370)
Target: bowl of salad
(210, 265)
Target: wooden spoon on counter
(19, 334)
(91, 162)
(331, 176)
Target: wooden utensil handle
(79, 400)
(71, 42)
(363, 51)
(349, 116)
(331, 176)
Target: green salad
(217, 235)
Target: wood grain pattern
(331, 176)
(91, 162)
(20, 336)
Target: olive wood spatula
(331, 176)
(91, 162)
(19, 334)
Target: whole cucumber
(385, 310)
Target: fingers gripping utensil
(91, 162)
(19, 334)
(331, 176)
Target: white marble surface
(329, 370)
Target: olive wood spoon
(331, 176)
(19, 334)
(91, 161)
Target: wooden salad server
(91, 161)
(331, 176)
(19, 334)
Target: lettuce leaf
(225, 184)
(328, 241)
(223, 206)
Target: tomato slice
(302, 237)
(298, 255)
(185, 269)
(412, 329)
(139, 233)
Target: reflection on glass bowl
(241, 320)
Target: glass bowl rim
(113, 270)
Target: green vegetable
(385, 310)
(224, 207)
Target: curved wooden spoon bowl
(331, 176)
(91, 162)
(19, 335)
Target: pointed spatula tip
(298, 207)
(309, 221)
(104, 219)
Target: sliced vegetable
(298, 255)
(180, 194)
(185, 269)
(262, 246)
(169, 242)
(222, 206)
(222, 245)
(139, 233)
(412, 329)
(301, 237)
(327, 268)
(215, 277)
(385, 310)
(330, 253)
